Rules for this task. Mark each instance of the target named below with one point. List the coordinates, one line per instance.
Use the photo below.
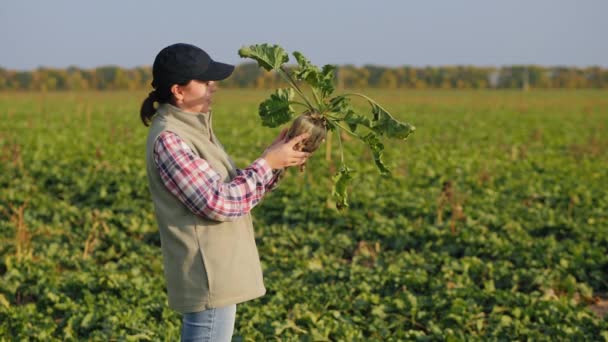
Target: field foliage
(494, 226)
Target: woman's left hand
(283, 138)
(281, 153)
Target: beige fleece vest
(207, 263)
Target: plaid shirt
(201, 189)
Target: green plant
(324, 112)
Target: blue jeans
(211, 325)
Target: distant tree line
(250, 76)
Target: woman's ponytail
(147, 108)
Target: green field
(494, 227)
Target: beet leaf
(337, 112)
(277, 109)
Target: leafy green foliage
(335, 110)
(269, 57)
(384, 124)
(321, 81)
(341, 180)
(277, 109)
(354, 120)
(377, 148)
(340, 104)
(527, 262)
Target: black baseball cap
(181, 62)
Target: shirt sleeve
(274, 181)
(201, 189)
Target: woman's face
(195, 96)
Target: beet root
(312, 123)
(307, 122)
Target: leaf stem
(298, 103)
(371, 101)
(341, 147)
(286, 76)
(335, 118)
(316, 96)
(347, 130)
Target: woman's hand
(280, 154)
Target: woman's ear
(177, 92)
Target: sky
(128, 33)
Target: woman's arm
(201, 189)
(275, 180)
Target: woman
(201, 200)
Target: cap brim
(216, 72)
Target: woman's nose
(212, 86)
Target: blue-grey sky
(129, 33)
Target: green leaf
(320, 80)
(341, 105)
(315, 264)
(379, 311)
(505, 320)
(353, 120)
(4, 301)
(326, 83)
(269, 57)
(277, 109)
(306, 69)
(86, 321)
(341, 180)
(377, 148)
(384, 124)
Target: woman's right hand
(281, 154)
